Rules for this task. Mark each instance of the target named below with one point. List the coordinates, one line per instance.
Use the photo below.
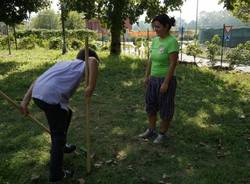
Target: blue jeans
(58, 120)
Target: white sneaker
(148, 134)
(159, 139)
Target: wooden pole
(12, 102)
(29, 116)
(87, 105)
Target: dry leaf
(143, 179)
(81, 181)
(108, 161)
(164, 176)
(98, 164)
(35, 177)
(161, 182)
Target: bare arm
(26, 100)
(147, 73)
(173, 57)
(93, 72)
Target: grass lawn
(209, 140)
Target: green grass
(209, 137)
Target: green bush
(79, 34)
(55, 43)
(193, 49)
(213, 48)
(76, 44)
(4, 41)
(104, 48)
(239, 55)
(27, 42)
(92, 46)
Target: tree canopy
(46, 19)
(239, 8)
(14, 12)
(113, 13)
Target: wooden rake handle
(12, 102)
(28, 115)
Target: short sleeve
(173, 46)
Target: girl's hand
(164, 87)
(24, 108)
(146, 81)
(88, 91)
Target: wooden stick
(12, 102)
(87, 104)
(28, 115)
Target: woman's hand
(164, 87)
(146, 81)
(88, 92)
(24, 108)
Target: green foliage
(105, 48)
(76, 44)
(47, 34)
(239, 54)
(55, 43)
(139, 41)
(239, 8)
(213, 48)
(74, 20)
(194, 50)
(4, 40)
(113, 13)
(46, 19)
(14, 12)
(27, 43)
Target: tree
(64, 14)
(46, 19)
(239, 8)
(213, 48)
(74, 21)
(14, 12)
(239, 54)
(194, 50)
(113, 13)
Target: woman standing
(160, 79)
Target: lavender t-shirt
(58, 83)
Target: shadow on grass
(207, 138)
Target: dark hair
(92, 53)
(165, 20)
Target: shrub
(213, 48)
(194, 50)
(55, 43)
(239, 55)
(4, 41)
(27, 42)
(76, 44)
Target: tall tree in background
(74, 21)
(114, 12)
(46, 19)
(64, 13)
(239, 8)
(14, 12)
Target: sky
(188, 9)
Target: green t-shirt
(160, 50)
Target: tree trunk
(64, 49)
(14, 29)
(8, 39)
(115, 41)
